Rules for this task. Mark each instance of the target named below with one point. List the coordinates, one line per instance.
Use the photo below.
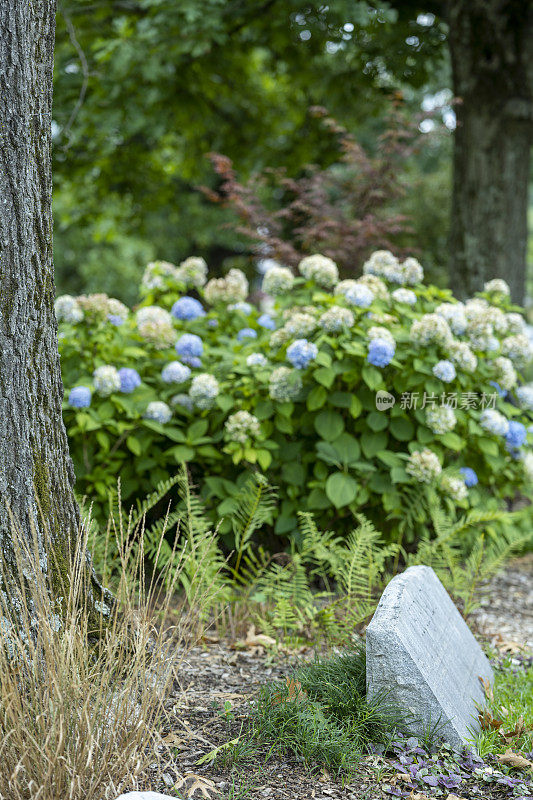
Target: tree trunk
(491, 45)
(36, 474)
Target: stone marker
(422, 655)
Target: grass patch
(508, 719)
(321, 714)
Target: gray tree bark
(36, 474)
(491, 45)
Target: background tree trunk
(36, 474)
(491, 45)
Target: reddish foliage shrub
(344, 211)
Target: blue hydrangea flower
(189, 346)
(129, 379)
(266, 321)
(360, 296)
(246, 333)
(187, 308)
(444, 370)
(380, 352)
(516, 435)
(470, 477)
(80, 397)
(114, 319)
(501, 392)
(175, 372)
(301, 352)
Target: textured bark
(36, 474)
(491, 45)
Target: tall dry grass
(82, 694)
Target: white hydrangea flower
(233, 288)
(515, 322)
(454, 487)
(360, 296)
(192, 271)
(412, 270)
(383, 264)
(336, 318)
(155, 325)
(300, 324)
(68, 309)
(441, 419)
(158, 412)
(424, 466)
(454, 314)
(497, 286)
(277, 280)
(204, 389)
(431, 329)
(518, 349)
(493, 422)
(155, 274)
(379, 332)
(285, 384)
(241, 426)
(524, 395)
(106, 380)
(256, 360)
(320, 269)
(117, 309)
(406, 296)
(375, 284)
(279, 338)
(505, 375)
(462, 356)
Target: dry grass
(80, 714)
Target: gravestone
(423, 657)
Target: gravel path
(505, 612)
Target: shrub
(323, 393)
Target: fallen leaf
(515, 760)
(504, 712)
(294, 692)
(488, 722)
(516, 732)
(404, 776)
(206, 786)
(254, 640)
(487, 688)
(419, 796)
(455, 797)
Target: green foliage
(315, 434)
(321, 714)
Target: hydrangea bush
(293, 385)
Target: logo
(384, 400)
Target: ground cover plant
(199, 374)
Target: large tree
(36, 475)
(491, 49)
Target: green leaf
(390, 459)
(325, 376)
(293, 473)
(453, 441)
(264, 459)
(181, 453)
(316, 398)
(488, 446)
(377, 420)
(197, 429)
(329, 425)
(225, 402)
(355, 407)
(372, 443)
(372, 377)
(264, 409)
(134, 445)
(399, 475)
(341, 489)
(402, 429)
(317, 500)
(341, 399)
(324, 359)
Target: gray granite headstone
(423, 657)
